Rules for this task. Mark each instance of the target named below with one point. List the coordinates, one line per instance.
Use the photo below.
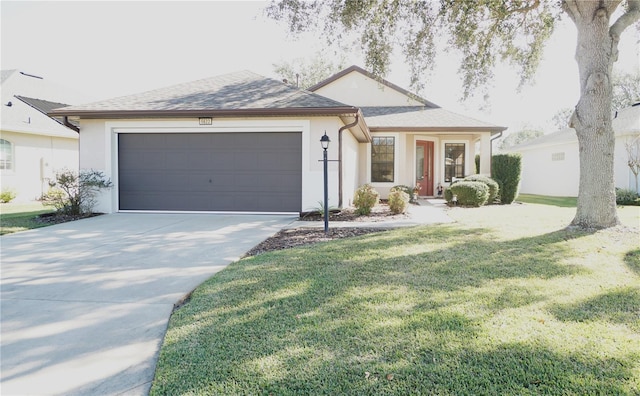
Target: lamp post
(324, 141)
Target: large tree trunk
(595, 53)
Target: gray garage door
(259, 172)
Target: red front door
(424, 167)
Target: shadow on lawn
(620, 306)
(321, 321)
(632, 259)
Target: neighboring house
(32, 145)
(551, 163)
(242, 142)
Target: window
(6, 155)
(382, 159)
(453, 161)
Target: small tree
(633, 157)
(75, 193)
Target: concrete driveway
(85, 305)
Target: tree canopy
(484, 31)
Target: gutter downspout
(354, 123)
(70, 125)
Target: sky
(108, 49)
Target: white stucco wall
(544, 175)
(350, 167)
(544, 172)
(36, 158)
(356, 89)
(98, 150)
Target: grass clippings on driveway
(506, 301)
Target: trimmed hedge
(494, 187)
(470, 193)
(477, 163)
(506, 170)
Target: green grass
(16, 217)
(505, 301)
(563, 202)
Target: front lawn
(564, 202)
(16, 217)
(503, 302)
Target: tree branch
(533, 6)
(571, 8)
(628, 18)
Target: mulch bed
(57, 218)
(305, 236)
(286, 239)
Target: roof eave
(292, 111)
(492, 129)
(364, 134)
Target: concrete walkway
(85, 305)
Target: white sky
(109, 49)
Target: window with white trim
(453, 161)
(6, 155)
(382, 159)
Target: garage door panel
(210, 172)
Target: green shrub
(625, 196)
(506, 170)
(494, 187)
(7, 196)
(408, 190)
(75, 193)
(477, 163)
(366, 197)
(470, 193)
(448, 195)
(398, 201)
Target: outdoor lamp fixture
(324, 141)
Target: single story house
(558, 154)
(33, 145)
(242, 142)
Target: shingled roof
(45, 107)
(236, 94)
(422, 118)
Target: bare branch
(628, 18)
